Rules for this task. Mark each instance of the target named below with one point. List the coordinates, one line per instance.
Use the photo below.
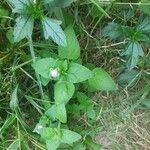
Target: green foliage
(134, 36)
(145, 7)
(72, 51)
(78, 73)
(29, 11)
(54, 137)
(14, 99)
(52, 29)
(56, 82)
(133, 51)
(63, 92)
(58, 3)
(101, 81)
(14, 145)
(23, 28)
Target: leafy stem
(34, 60)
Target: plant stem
(34, 59)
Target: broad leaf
(58, 111)
(72, 50)
(53, 30)
(14, 145)
(20, 6)
(23, 28)
(58, 3)
(63, 91)
(133, 51)
(43, 66)
(52, 144)
(78, 73)
(50, 134)
(101, 81)
(69, 137)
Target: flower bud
(54, 73)
(34, 1)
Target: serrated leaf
(14, 145)
(52, 29)
(78, 73)
(23, 28)
(101, 81)
(69, 137)
(43, 66)
(72, 50)
(63, 91)
(58, 3)
(133, 51)
(20, 6)
(57, 111)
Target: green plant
(63, 71)
(133, 38)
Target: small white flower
(54, 73)
(39, 127)
(34, 1)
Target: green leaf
(96, 3)
(57, 111)
(20, 6)
(101, 81)
(69, 137)
(3, 12)
(144, 25)
(14, 145)
(78, 73)
(89, 141)
(128, 78)
(43, 66)
(72, 50)
(53, 30)
(58, 3)
(50, 134)
(14, 99)
(133, 51)
(8, 122)
(63, 91)
(52, 144)
(145, 6)
(23, 28)
(112, 30)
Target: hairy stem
(34, 59)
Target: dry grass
(121, 132)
